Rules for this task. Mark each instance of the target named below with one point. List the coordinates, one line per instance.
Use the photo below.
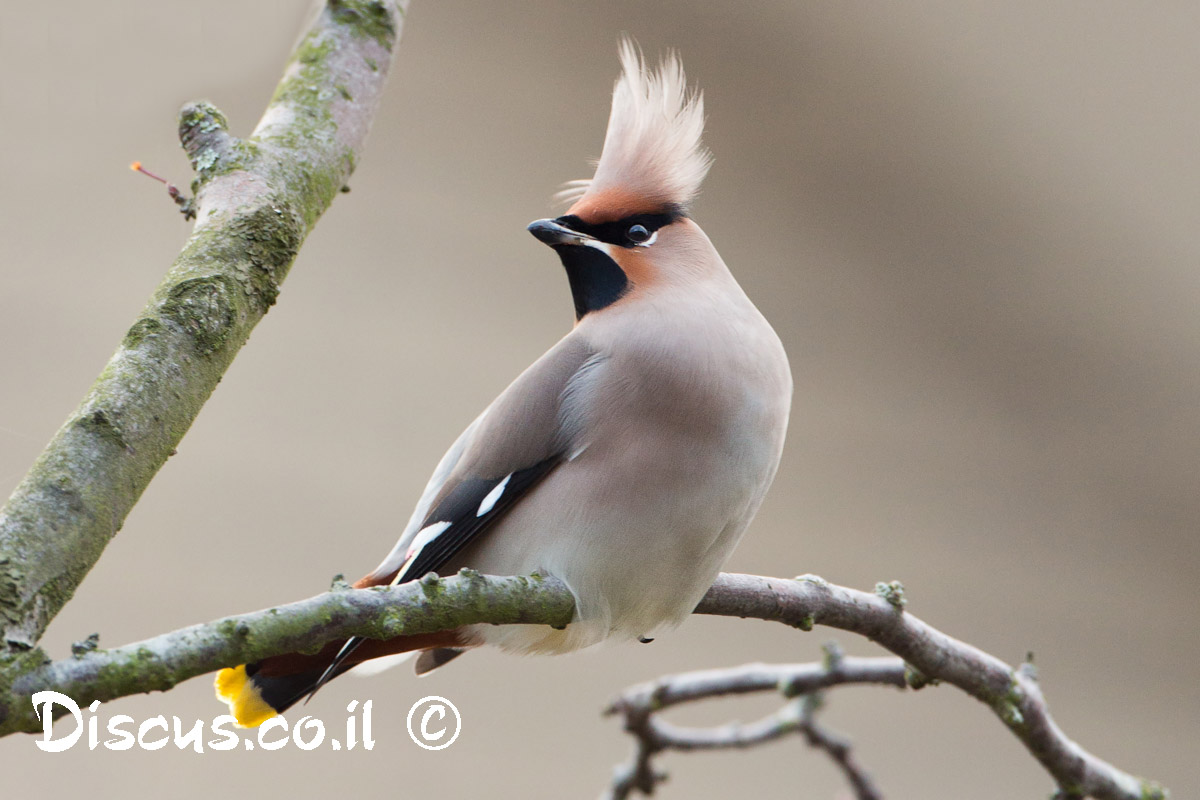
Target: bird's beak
(552, 233)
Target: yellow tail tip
(234, 687)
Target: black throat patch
(596, 280)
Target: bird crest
(652, 157)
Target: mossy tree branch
(256, 200)
(434, 604)
(425, 606)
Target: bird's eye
(637, 234)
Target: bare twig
(186, 206)
(792, 680)
(838, 748)
(652, 735)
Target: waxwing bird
(626, 461)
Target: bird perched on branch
(626, 461)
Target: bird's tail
(254, 698)
(257, 692)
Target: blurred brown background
(973, 224)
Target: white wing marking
(424, 537)
(490, 500)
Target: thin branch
(425, 606)
(652, 735)
(256, 200)
(639, 774)
(838, 748)
(791, 719)
(429, 606)
(790, 679)
(734, 735)
(1013, 695)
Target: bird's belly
(637, 534)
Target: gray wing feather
(433, 488)
(524, 426)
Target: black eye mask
(618, 232)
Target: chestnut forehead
(614, 205)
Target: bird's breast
(676, 429)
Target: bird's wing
(503, 454)
(436, 481)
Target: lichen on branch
(382, 612)
(256, 200)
